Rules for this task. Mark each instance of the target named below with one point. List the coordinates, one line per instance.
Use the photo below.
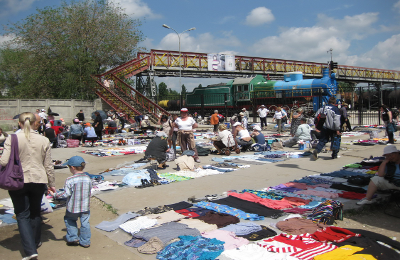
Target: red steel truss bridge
(112, 88)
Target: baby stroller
(228, 150)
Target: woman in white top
(185, 125)
(279, 114)
(242, 136)
(224, 139)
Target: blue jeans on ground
(26, 203)
(326, 136)
(70, 220)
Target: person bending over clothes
(388, 177)
(224, 139)
(90, 133)
(242, 136)
(146, 125)
(76, 130)
(157, 149)
(257, 135)
(303, 133)
(51, 135)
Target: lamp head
(192, 29)
(166, 26)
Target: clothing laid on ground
(298, 226)
(219, 219)
(113, 225)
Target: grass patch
(110, 208)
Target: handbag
(11, 175)
(320, 120)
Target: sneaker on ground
(31, 257)
(197, 160)
(365, 201)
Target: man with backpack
(330, 129)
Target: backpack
(320, 120)
(201, 151)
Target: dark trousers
(263, 121)
(326, 136)
(344, 121)
(26, 203)
(174, 137)
(389, 134)
(99, 133)
(215, 128)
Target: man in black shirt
(81, 115)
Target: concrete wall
(67, 108)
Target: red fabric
(273, 204)
(58, 129)
(352, 195)
(333, 234)
(295, 201)
(298, 211)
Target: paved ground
(132, 199)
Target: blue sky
(360, 32)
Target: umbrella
(53, 114)
(16, 117)
(102, 114)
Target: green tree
(67, 44)
(200, 86)
(162, 90)
(184, 90)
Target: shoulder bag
(11, 175)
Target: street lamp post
(179, 39)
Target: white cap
(237, 123)
(42, 110)
(161, 134)
(146, 117)
(257, 128)
(390, 149)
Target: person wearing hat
(295, 122)
(388, 177)
(262, 113)
(215, 121)
(344, 118)
(242, 136)
(75, 130)
(257, 135)
(245, 112)
(77, 191)
(243, 120)
(146, 124)
(157, 149)
(89, 133)
(185, 125)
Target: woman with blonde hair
(224, 139)
(35, 156)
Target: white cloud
(312, 43)
(205, 42)
(137, 9)
(385, 55)
(259, 16)
(9, 7)
(354, 27)
(397, 6)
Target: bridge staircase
(113, 90)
